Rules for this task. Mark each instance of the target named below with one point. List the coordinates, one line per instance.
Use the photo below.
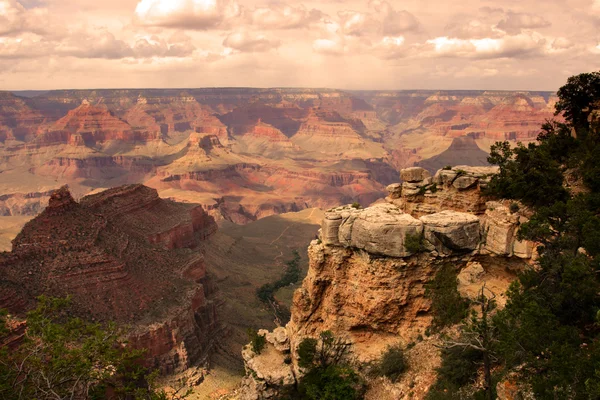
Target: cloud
(517, 46)
(391, 47)
(393, 22)
(329, 46)
(250, 42)
(282, 16)
(188, 14)
(99, 44)
(514, 23)
(16, 19)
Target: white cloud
(250, 42)
(517, 46)
(282, 16)
(188, 14)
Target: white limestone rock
(451, 231)
(414, 174)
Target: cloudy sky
(348, 44)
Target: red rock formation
(112, 253)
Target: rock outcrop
(123, 255)
(369, 270)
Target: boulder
(499, 229)
(472, 273)
(410, 189)
(464, 182)
(330, 227)
(446, 176)
(394, 190)
(414, 174)
(523, 249)
(381, 229)
(451, 231)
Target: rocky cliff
(123, 255)
(367, 278)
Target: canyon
(244, 154)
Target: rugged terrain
(244, 154)
(123, 255)
(368, 286)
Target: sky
(354, 44)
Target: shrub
(414, 243)
(447, 306)
(447, 168)
(392, 363)
(334, 382)
(307, 351)
(356, 205)
(257, 342)
(514, 207)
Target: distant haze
(354, 44)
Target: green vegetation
(62, 357)
(514, 207)
(328, 373)
(291, 275)
(414, 243)
(549, 332)
(447, 168)
(356, 205)
(257, 342)
(447, 306)
(392, 364)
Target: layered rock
(456, 188)
(112, 252)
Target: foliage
(414, 243)
(328, 374)
(291, 275)
(447, 306)
(356, 205)
(514, 207)
(257, 342)
(64, 357)
(548, 332)
(334, 382)
(474, 350)
(447, 168)
(392, 364)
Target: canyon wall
(244, 153)
(123, 255)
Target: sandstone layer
(124, 255)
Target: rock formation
(248, 153)
(370, 267)
(123, 255)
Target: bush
(392, 363)
(291, 275)
(414, 243)
(514, 207)
(447, 306)
(356, 205)
(447, 168)
(459, 368)
(257, 342)
(334, 382)
(328, 375)
(307, 351)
